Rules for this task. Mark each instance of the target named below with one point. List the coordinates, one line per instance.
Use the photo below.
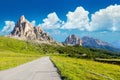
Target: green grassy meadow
(10, 59)
(85, 69)
(15, 52)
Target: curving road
(41, 69)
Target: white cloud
(107, 19)
(51, 22)
(33, 23)
(9, 26)
(77, 20)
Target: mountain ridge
(99, 44)
(91, 42)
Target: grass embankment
(16, 46)
(83, 69)
(15, 52)
(10, 59)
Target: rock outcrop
(73, 40)
(24, 30)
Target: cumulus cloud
(9, 26)
(77, 20)
(51, 22)
(107, 19)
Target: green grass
(111, 61)
(14, 52)
(10, 59)
(84, 69)
(16, 46)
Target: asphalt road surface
(40, 69)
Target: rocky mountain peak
(22, 18)
(73, 40)
(24, 30)
(22, 27)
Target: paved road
(41, 69)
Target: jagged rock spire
(73, 40)
(26, 31)
(22, 18)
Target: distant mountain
(24, 30)
(73, 40)
(116, 44)
(96, 43)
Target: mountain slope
(95, 43)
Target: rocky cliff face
(24, 30)
(73, 40)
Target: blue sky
(60, 18)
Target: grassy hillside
(83, 52)
(72, 51)
(84, 69)
(16, 45)
(14, 52)
(19, 46)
